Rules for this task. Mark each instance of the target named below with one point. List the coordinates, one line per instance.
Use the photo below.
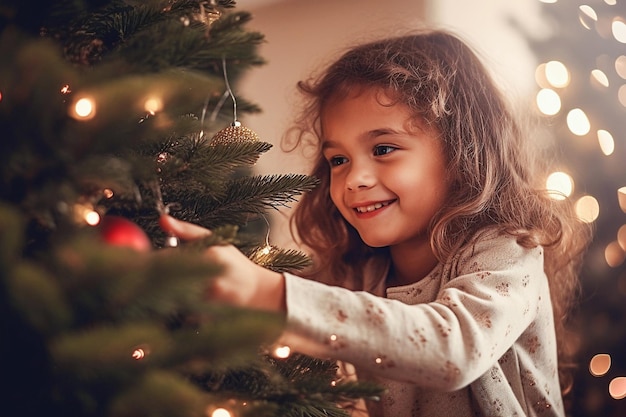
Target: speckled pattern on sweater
(475, 337)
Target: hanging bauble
(119, 231)
(235, 133)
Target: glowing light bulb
(578, 122)
(282, 352)
(560, 185)
(220, 412)
(92, 218)
(153, 105)
(600, 364)
(84, 109)
(139, 354)
(548, 101)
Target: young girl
(443, 269)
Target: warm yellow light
(618, 27)
(560, 185)
(607, 144)
(108, 193)
(587, 16)
(621, 237)
(548, 101)
(621, 197)
(92, 218)
(600, 364)
(614, 254)
(578, 122)
(600, 77)
(557, 74)
(621, 95)
(620, 66)
(153, 105)
(617, 388)
(220, 412)
(66, 89)
(587, 209)
(139, 354)
(282, 352)
(84, 109)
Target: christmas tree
(582, 94)
(111, 114)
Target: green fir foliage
(90, 328)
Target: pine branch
(246, 197)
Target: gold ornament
(235, 133)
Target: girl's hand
(242, 282)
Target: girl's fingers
(181, 229)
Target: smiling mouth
(372, 207)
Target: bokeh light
(599, 77)
(620, 66)
(619, 29)
(614, 254)
(282, 352)
(600, 364)
(587, 208)
(621, 95)
(557, 74)
(617, 388)
(84, 109)
(220, 412)
(153, 105)
(621, 237)
(560, 185)
(578, 122)
(621, 198)
(606, 141)
(548, 101)
(587, 16)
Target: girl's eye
(383, 150)
(337, 160)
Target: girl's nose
(359, 178)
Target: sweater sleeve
(446, 343)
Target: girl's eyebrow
(372, 134)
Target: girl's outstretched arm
(242, 283)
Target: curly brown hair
(495, 173)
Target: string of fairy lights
(553, 78)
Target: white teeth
(372, 207)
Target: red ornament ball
(119, 231)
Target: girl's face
(387, 171)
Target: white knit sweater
(475, 337)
